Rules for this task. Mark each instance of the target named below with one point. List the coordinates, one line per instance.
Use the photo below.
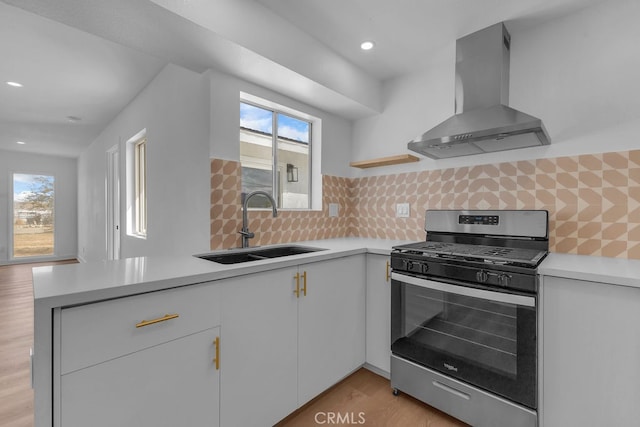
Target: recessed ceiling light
(368, 45)
(14, 84)
(73, 119)
(20, 142)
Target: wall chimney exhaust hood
(483, 123)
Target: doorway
(33, 233)
(113, 203)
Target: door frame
(11, 219)
(112, 203)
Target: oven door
(483, 337)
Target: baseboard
(34, 260)
(377, 370)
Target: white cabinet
(145, 360)
(243, 351)
(331, 324)
(172, 384)
(281, 348)
(591, 353)
(93, 333)
(379, 312)
(259, 348)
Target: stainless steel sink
(235, 256)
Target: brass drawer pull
(388, 274)
(304, 281)
(297, 289)
(216, 342)
(158, 320)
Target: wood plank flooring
(362, 392)
(16, 338)
(365, 398)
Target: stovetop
(483, 253)
(478, 248)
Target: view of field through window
(33, 202)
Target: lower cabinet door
(379, 312)
(590, 353)
(172, 384)
(259, 353)
(331, 324)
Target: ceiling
(406, 32)
(90, 58)
(64, 72)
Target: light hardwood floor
(16, 338)
(365, 398)
(363, 392)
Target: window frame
(137, 190)
(277, 174)
(140, 190)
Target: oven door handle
(504, 297)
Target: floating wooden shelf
(385, 161)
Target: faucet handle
(247, 234)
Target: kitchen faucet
(246, 234)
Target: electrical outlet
(403, 210)
(333, 209)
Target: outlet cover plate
(403, 210)
(333, 209)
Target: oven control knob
(409, 265)
(415, 267)
(425, 268)
(482, 276)
(504, 280)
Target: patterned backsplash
(288, 226)
(593, 202)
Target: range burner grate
(491, 254)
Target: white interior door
(113, 203)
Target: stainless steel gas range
(464, 315)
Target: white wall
(225, 119)
(287, 59)
(578, 73)
(174, 109)
(189, 118)
(65, 210)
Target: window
(278, 162)
(137, 185)
(140, 172)
(33, 220)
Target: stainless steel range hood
(483, 122)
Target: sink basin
(236, 256)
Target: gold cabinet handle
(216, 360)
(304, 281)
(388, 274)
(297, 290)
(158, 320)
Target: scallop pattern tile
(593, 202)
(288, 226)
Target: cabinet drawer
(94, 333)
(172, 384)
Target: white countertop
(615, 271)
(71, 284)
